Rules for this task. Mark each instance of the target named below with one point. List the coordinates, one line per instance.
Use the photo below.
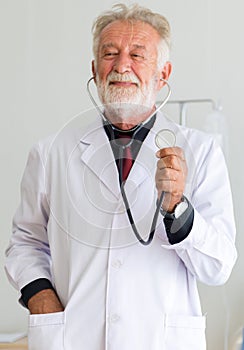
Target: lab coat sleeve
(209, 251)
(28, 254)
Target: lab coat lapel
(97, 154)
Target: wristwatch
(179, 210)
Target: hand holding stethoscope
(171, 171)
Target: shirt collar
(139, 135)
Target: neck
(128, 122)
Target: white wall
(45, 63)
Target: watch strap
(177, 229)
(179, 210)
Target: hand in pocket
(44, 302)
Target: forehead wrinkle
(129, 36)
(128, 31)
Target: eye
(137, 56)
(110, 54)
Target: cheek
(151, 81)
(104, 69)
(147, 73)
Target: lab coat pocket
(46, 331)
(185, 332)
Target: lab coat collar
(97, 154)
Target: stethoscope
(164, 138)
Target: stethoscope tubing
(121, 151)
(164, 101)
(132, 222)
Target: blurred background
(45, 64)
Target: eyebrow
(134, 46)
(105, 46)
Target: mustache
(126, 77)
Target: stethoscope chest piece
(165, 138)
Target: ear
(165, 73)
(94, 70)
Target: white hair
(133, 14)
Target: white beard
(125, 102)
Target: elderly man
(86, 279)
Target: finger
(171, 151)
(169, 179)
(171, 162)
(170, 187)
(168, 174)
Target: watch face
(180, 209)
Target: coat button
(117, 264)
(114, 318)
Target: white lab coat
(71, 227)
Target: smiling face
(127, 72)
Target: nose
(122, 63)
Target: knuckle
(167, 173)
(160, 163)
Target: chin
(129, 112)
